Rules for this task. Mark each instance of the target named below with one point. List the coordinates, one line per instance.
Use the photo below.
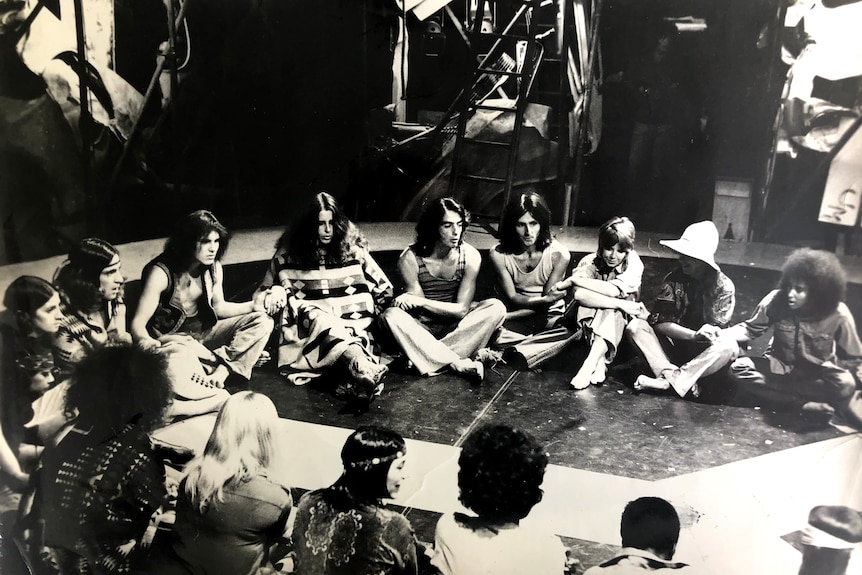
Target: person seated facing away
(811, 327)
(650, 530)
(679, 339)
(102, 483)
(231, 507)
(344, 529)
(606, 285)
(328, 291)
(500, 474)
(528, 263)
(436, 323)
(90, 283)
(183, 294)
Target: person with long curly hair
(232, 505)
(436, 322)
(102, 483)
(812, 328)
(500, 474)
(183, 302)
(528, 263)
(344, 529)
(606, 287)
(90, 283)
(328, 292)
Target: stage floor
(740, 474)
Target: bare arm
(155, 283)
(9, 463)
(507, 285)
(592, 299)
(224, 308)
(415, 298)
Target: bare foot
(581, 380)
(652, 383)
(219, 376)
(600, 373)
(471, 369)
(816, 407)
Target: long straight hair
(180, 247)
(300, 240)
(242, 445)
(77, 280)
(528, 203)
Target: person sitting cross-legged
(529, 262)
(811, 328)
(327, 290)
(183, 303)
(679, 339)
(436, 322)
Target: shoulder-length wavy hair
(367, 455)
(821, 272)
(617, 230)
(500, 473)
(529, 203)
(241, 445)
(77, 280)
(300, 239)
(118, 384)
(24, 296)
(427, 227)
(180, 248)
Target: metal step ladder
(496, 68)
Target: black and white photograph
(430, 287)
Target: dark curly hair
(117, 384)
(427, 232)
(180, 248)
(24, 296)
(529, 203)
(77, 280)
(650, 523)
(500, 473)
(300, 239)
(821, 272)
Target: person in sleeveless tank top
(183, 302)
(528, 261)
(606, 286)
(436, 322)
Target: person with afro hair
(500, 474)
(812, 327)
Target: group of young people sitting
(78, 377)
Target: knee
(743, 369)
(496, 309)
(636, 326)
(843, 382)
(392, 316)
(727, 347)
(261, 320)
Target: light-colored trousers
(238, 340)
(713, 358)
(430, 355)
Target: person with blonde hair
(231, 507)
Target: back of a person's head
(650, 524)
(242, 444)
(500, 473)
(119, 384)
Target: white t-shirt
(461, 549)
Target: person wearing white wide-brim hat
(680, 339)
